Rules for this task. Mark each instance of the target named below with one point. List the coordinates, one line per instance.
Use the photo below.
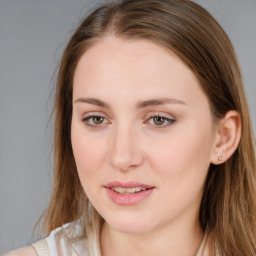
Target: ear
(227, 137)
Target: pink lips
(128, 199)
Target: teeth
(127, 190)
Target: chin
(131, 229)
(129, 225)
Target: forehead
(134, 68)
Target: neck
(175, 239)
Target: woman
(154, 149)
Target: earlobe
(227, 137)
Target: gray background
(33, 34)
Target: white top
(60, 243)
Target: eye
(94, 121)
(160, 121)
(97, 119)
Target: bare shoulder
(26, 251)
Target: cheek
(181, 165)
(185, 155)
(88, 153)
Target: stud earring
(220, 158)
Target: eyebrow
(139, 105)
(157, 102)
(93, 102)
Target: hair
(228, 206)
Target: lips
(131, 184)
(126, 194)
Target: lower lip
(128, 199)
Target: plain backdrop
(33, 34)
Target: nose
(125, 150)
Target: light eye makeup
(95, 120)
(157, 121)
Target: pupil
(158, 120)
(98, 120)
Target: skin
(129, 145)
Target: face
(142, 135)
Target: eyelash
(164, 119)
(87, 119)
(169, 121)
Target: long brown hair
(228, 207)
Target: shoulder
(59, 242)
(26, 251)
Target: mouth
(127, 194)
(126, 191)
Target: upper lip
(131, 184)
